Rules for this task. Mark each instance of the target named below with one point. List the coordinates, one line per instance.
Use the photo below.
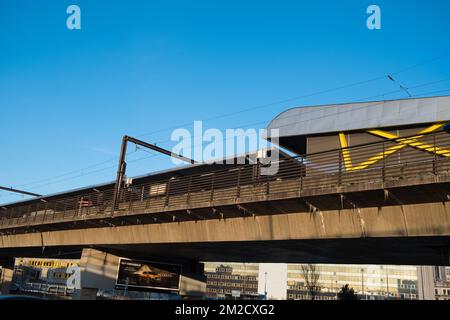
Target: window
(157, 189)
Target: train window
(157, 189)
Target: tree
(311, 276)
(347, 293)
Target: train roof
(180, 171)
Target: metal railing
(383, 162)
(42, 288)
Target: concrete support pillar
(425, 283)
(6, 276)
(99, 270)
(193, 281)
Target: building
(442, 291)
(45, 276)
(442, 283)
(231, 280)
(372, 282)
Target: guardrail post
(2, 220)
(149, 197)
(167, 193)
(188, 197)
(435, 160)
(238, 185)
(25, 220)
(383, 169)
(88, 209)
(27, 214)
(45, 211)
(130, 200)
(340, 168)
(302, 173)
(11, 217)
(55, 210)
(142, 193)
(212, 188)
(258, 176)
(122, 197)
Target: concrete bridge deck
(394, 211)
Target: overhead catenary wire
(365, 99)
(139, 159)
(364, 106)
(91, 172)
(320, 92)
(252, 124)
(71, 172)
(360, 100)
(321, 117)
(250, 109)
(296, 122)
(403, 88)
(349, 110)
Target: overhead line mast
(123, 165)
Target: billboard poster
(144, 275)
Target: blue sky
(137, 67)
